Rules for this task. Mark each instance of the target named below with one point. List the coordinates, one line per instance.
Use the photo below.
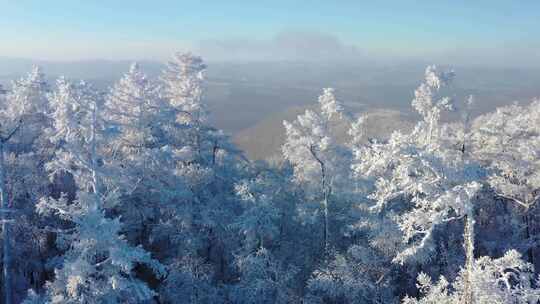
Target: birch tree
(317, 160)
(438, 182)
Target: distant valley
(250, 100)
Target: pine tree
(99, 264)
(138, 149)
(182, 80)
(22, 106)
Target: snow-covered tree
(20, 112)
(136, 110)
(436, 180)
(27, 99)
(191, 281)
(31, 245)
(182, 86)
(98, 265)
(260, 220)
(507, 141)
(137, 147)
(429, 103)
(359, 276)
(263, 280)
(78, 130)
(183, 78)
(507, 279)
(28, 93)
(319, 162)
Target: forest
(130, 196)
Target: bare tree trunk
(468, 230)
(326, 194)
(5, 230)
(326, 223)
(93, 145)
(527, 220)
(468, 237)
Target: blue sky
(232, 29)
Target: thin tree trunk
(326, 223)
(468, 231)
(93, 152)
(429, 135)
(468, 237)
(5, 230)
(326, 193)
(527, 221)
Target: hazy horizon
(267, 60)
(481, 33)
(249, 100)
